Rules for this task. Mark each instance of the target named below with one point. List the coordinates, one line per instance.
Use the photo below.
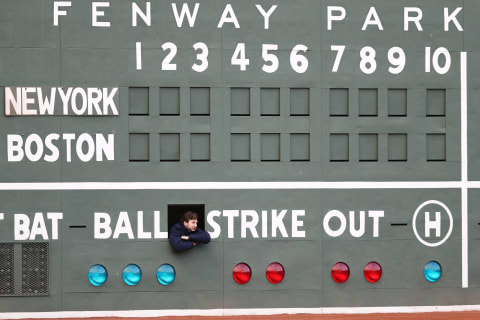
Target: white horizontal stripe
(237, 185)
(235, 312)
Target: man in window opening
(185, 234)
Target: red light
(340, 272)
(242, 273)
(372, 272)
(275, 272)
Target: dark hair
(189, 215)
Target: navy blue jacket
(178, 230)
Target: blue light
(165, 274)
(97, 275)
(432, 271)
(132, 274)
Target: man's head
(190, 220)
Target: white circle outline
(436, 244)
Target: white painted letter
(416, 19)
(57, 13)
(33, 138)
(104, 147)
(96, 13)
(361, 229)
(297, 223)
(372, 19)
(228, 15)
(101, 225)
(46, 106)
(376, 215)
(343, 223)
(185, 12)
(22, 224)
(230, 214)
(451, 18)
(266, 15)
(331, 17)
(123, 226)
(146, 17)
(215, 226)
(251, 225)
(140, 233)
(55, 216)
(85, 157)
(14, 148)
(50, 146)
(13, 100)
(38, 227)
(277, 223)
(157, 234)
(435, 224)
(109, 102)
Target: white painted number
(167, 61)
(368, 64)
(396, 57)
(338, 58)
(269, 57)
(434, 60)
(202, 57)
(298, 62)
(238, 57)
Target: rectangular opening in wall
(270, 101)
(6, 269)
(200, 147)
(299, 101)
(35, 280)
(368, 102)
(397, 147)
(368, 147)
(299, 147)
(240, 101)
(169, 101)
(240, 146)
(436, 147)
(270, 146)
(138, 101)
(435, 102)
(199, 101)
(139, 147)
(169, 147)
(339, 146)
(176, 211)
(397, 102)
(338, 102)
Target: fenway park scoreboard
(329, 147)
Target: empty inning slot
(200, 146)
(397, 102)
(299, 102)
(436, 103)
(436, 147)
(270, 101)
(200, 101)
(368, 102)
(397, 147)
(169, 147)
(339, 146)
(138, 101)
(170, 101)
(270, 146)
(299, 147)
(139, 147)
(338, 102)
(240, 146)
(368, 147)
(240, 101)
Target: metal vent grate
(6, 269)
(35, 269)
